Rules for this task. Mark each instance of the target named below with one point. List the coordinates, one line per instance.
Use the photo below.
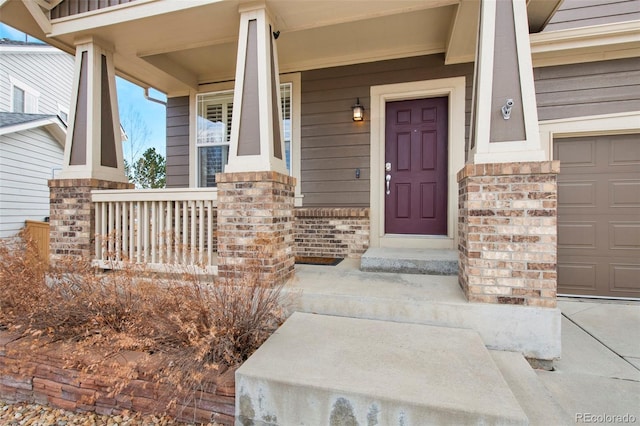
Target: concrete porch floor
(344, 290)
(598, 373)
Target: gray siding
(26, 66)
(584, 13)
(27, 161)
(588, 89)
(333, 146)
(178, 142)
(73, 7)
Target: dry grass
(200, 326)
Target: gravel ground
(23, 414)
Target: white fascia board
(125, 12)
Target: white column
(93, 147)
(256, 130)
(503, 77)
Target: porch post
(93, 152)
(256, 193)
(508, 194)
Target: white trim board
(605, 124)
(454, 89)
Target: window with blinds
(213, 128)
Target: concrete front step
(325, 370)
(410, 261)
(346, 291)
(537, 402)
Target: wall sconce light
(358, 111)
(506, 109)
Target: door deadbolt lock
(387, 167)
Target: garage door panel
(581, 235)
(578, 276)
(624, 236)
(623, 279)
(625, 151)
(599, 215)
(577, 153)
(624, 193)
(577, 194)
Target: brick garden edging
(43, 377)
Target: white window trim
(62, 109)
(296, 149)
(454, 88)
(28, 90)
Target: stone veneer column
(507, 233)
(72, 216)
(255, 226)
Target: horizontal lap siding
(27, 160)
(591, 88)
(178, 142)
(333, 146)
(583, 13)
(74, 7)
(26, 67)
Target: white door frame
(454, 89)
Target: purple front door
(416, 167)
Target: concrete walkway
(598, 376)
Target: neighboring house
(468, 105)
(35, 92)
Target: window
(213, 130)
(63, 113)
(18, 99)
(24, 98)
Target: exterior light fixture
(358, 111)
(506, 109)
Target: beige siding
(583, 13)
(333, 146)
(588, 89)
(73, 7)
(178, 142)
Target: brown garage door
(599, 215)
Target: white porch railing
(161, 228)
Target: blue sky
(130, 98)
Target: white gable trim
(53, 125)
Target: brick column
(72, 216)
(507, 233)
(255, 226)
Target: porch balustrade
(165, 229)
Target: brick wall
(331, 232)
(72, 216)
(45, 377)
(255, 226)
(507, 233)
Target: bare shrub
(200, 327)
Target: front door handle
(388, 179)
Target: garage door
(599, 215)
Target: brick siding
(255, 226)
(72, 216)
(331, 232)
(507, 233)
